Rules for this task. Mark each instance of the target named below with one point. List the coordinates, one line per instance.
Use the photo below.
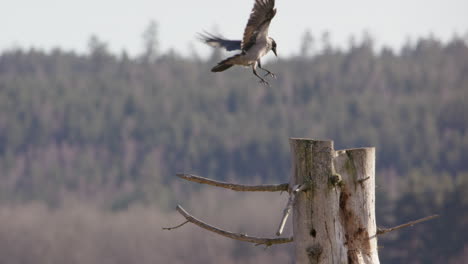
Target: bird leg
(269, 73)
(262, 81)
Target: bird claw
(265, 83)
(270, 74)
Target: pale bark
(334, 219)
(318, 234)
(357, 203)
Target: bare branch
(363, 180)
(381, 231)
(236, 236)
(287, 210)
(174, 227)
(235, 187)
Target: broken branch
(363, 180)
(235, 187)
(381, 231)
(174, 227)
(236, 236)
(287, 210)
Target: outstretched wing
(220, 42)
(259, 21)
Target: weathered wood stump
(332, 196)
(334, 219)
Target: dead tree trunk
(334, 219)
(357, 203)
(332, 197)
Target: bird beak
(274, 51)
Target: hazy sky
(69, 24)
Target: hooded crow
(254, 45)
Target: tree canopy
(114, 129)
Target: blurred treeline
(112, 130)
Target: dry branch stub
(334, 218)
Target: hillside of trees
(105, 133)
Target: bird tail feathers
(225, 64)
(221, 67)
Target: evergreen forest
(90, 145)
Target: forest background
(90, 144)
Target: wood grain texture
(334, 220)
(318, 235)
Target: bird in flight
(255, 43)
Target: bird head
(273, 47)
